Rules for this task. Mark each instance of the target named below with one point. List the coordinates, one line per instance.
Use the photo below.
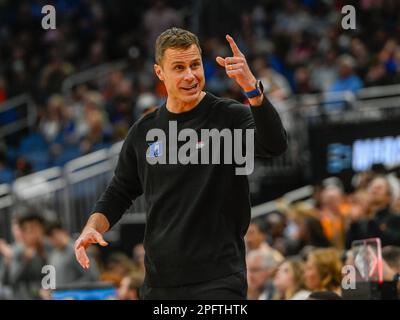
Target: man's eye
(178, 67)
(195, 65)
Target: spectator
(391, 254)
(391, 265)
(323, 71)
(332, 215)
(274, 83)
(68, 271)
(256, 239)
(323, 270)
(289, 282)
(261, 267)
(381, 221)
(303, 81)
(307, 229)
(276, 223)
(138, 258)
(56, 125)
(129, 288)
(358, 206)
(347, 79)
(157, 19)
(24, 273)
(118, 266)
(293, 19)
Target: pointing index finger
(234, 47)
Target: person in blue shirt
(347, 79)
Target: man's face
(331, 197)
(56, 238)
(254, 237)
(257, 274)
(378, 191)
(182, 72)
(32, 233)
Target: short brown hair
(329, 266)
(174, 38)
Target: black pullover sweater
(197, 214)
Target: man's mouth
(191, 88)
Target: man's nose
(189, 76)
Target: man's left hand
(236, 67)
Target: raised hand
(236, 67)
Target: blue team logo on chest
(155, 150)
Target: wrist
(257, 101)
(254, 92)
(250, 87)
(97, 222)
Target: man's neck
(175, 106)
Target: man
(381, 222)
(391, 254)
(68, 271)
(391, 266)
(347, 80)
(197, 214)
(24, 273)
(256, 239)
(332, 214)
(261, 266)
(129, 287)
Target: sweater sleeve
(270, 135)
(125, 185)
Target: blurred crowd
(301, 248)
(294, 47)
(39, 242)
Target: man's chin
(191, 97)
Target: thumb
(100, 240)
(220, 61)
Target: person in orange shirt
(333, 211)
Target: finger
(234, 47)
(220, 61)
(82, 257)
(236, 66)
(233, 73)
(233, 60)
(100, 240)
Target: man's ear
(158, 71)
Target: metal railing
(67, 194)
(16, 114)
(94, 74)
(6, 205)
(302, 193)
(43, 190)
(86, 177)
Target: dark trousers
(232, 287)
